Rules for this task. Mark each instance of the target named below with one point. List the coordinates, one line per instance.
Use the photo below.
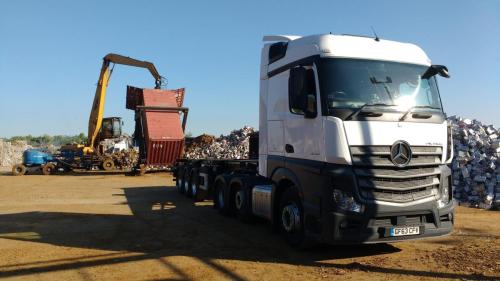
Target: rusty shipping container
(159, 130)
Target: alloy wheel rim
(290, 217)
(238, 198)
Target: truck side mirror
(310, 107)
(436, 69)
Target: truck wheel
(220, 197)
(18, 170)
(201, 194)
(240, 198)
(178, 181)
(242, 204)
(292, 218)
(108, 164)
(185, 182)
(48, 169)
(194, 183)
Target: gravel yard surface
(112, 226)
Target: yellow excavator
(93, 154)
(96, 114)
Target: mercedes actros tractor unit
(353, 145)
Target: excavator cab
(111, 128)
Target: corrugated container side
(163, 152)
(164, 129)
(156, 97)
(163, 125)
(163, 132)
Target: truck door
(277, 108)
(303, 123)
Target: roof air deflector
(285, 38)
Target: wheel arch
(283, 178)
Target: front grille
(379, 179)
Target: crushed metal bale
(11, 153)
(232, 146)
(476, 163)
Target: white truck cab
(357, 125)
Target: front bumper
(345, 228)
(372, 225)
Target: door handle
(289, 148)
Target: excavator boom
(95, 120)
(119, 59)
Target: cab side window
(302, 91)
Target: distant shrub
(45, 139)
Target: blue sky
(51, 51)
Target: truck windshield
(353, 83)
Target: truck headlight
(449, 144)
(445, 197)
(346, 202)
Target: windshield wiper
(413, 107)
(355, 113)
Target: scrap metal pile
(232, 146)
(11, 153)
(124, 142)
(476, 165)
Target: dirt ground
(102, 226)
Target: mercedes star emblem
(401, 153)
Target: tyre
(291, 216)
(178, 180)
(108, 164)
(200, 194)
(48, 169)
(18, 170)
(195, 185)
(186, 182)
(241, 199)
(221, 196)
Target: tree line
(45, 139)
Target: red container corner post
(159, 129)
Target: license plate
(403, 231)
